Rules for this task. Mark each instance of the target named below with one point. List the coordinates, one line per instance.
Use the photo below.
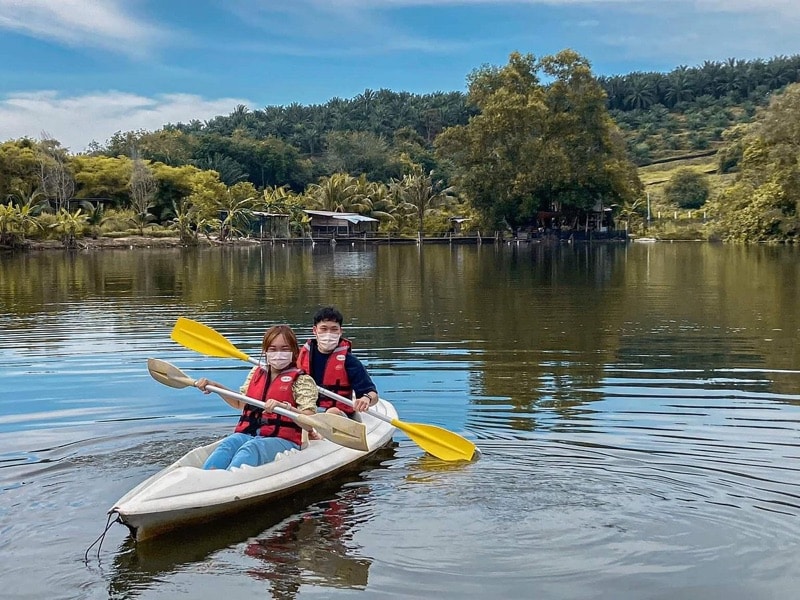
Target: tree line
(531, 138)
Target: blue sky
(80, 70)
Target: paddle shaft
(335, 396)
(242, 398)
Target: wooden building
(325, 223)
(266, 225)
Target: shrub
(687, 189)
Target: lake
(637, 408)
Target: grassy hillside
(667, 220)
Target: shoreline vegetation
(700, 153)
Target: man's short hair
(328, 313)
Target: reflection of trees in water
(313, 548)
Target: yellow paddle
(335, 428)
(437, 441)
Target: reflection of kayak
(184, 494)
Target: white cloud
(77, 120)
(85, 23)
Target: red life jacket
(253, 420)
(334, 377)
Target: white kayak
(184, 494)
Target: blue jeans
(241, 449)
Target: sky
(81, 70)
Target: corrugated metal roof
(341, 216)
(268, 214)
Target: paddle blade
(338, 429)
(441, 443)
(164, 372)
(203, 339)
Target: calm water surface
(638, 409)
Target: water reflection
(313, 548)
(303, 539)
(139, 566)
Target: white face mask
(279, 360)
(327, 342)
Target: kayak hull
(183, 494)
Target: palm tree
(678, 88)
(70, 225)
(95, 216)
(420, 191)
(186, 221)
(333, 193)
(18, 217)
(236, 215)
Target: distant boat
(645, 240)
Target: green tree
(19, 166)
(538, 147)
(424, 194)
(10, 225)
(235, 210)
(18, 218)
(71, 226)
(177, 183)
(184, 220)
(208, 193)
(357, 152)
(763, 204)
(687, 189)
(335, 193)
(103, 177)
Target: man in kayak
(328, 358)
(261, 434)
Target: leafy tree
(282, 200)
(687, 189)
(19, 166)
(103, 177)
(358, 152)
(535, 147)
(764, 202)
(168, 146)
(177, 183)
(95, 216)
(207, 192)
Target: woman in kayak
(261, 434)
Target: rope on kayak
(101, 537)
